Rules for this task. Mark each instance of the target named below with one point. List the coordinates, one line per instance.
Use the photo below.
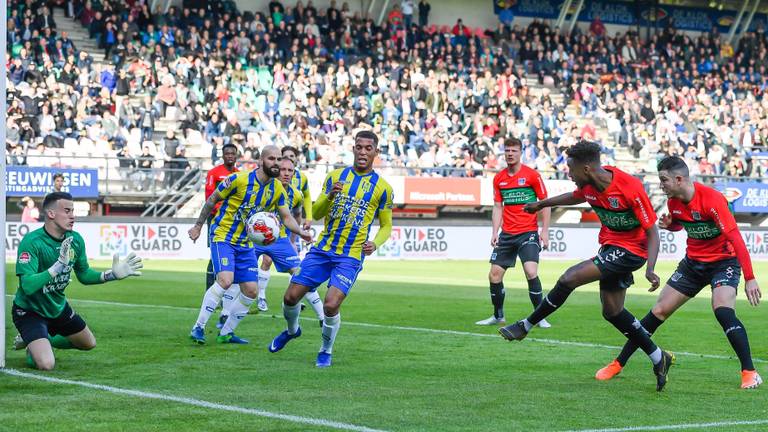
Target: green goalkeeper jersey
(38, 291)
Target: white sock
(211, 300)
(238, 311)
(527, 324)
(263, 282)
(317, 303)
(291, 314)
(330, 329)
(228, 298)
(655, 356)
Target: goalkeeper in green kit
(44, 265)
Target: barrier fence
(430, 242)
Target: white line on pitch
(195, 402)
(422, 330)
(677, 426)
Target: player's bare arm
(292, 225)
(496, 217)
(545, 216)
(322, 206)
(566, 199)
(653, 252)
(210, 204)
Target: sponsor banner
(170, 241)
(38, 181)
(102, 240)
(442, 191)
(626, 13)
(747, 197)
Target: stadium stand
(124, 88)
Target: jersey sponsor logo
(676, 212)
(612, 256)
(590, 197)
(503, 184)
(701, 230)
(617, 220)
(696, 215)
(518, 196)
(613, 202)
(24, 258)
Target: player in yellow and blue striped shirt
(298, 180)
(352, 198)
(283, 252)
(243, 194)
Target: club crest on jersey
(365, 186)
(613, 202)
(696, 215)
(24, 258)
(520, 181)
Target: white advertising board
(170, 241)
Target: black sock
(650, 323)
(626, 323)
(535, 291)
(551, 302)
(209, 276)
(497, 298)
(736, 334)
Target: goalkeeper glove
(122, 269)
(63, 261)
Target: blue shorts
(319, 266)
(237, 259)
(282, 253)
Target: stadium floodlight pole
(3, 115)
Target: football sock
(650, 323)
(317, 303)
(736, 334)
(535, 291)
(210, 277)
(60, 342)
(551, 302)
(331, 326)
(497, 299)
(263, 282)
(228, 298)
(239, 309)
(626, 323)
(211, 300)
(291, 314)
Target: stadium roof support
(383, 11)
(745, 27)
(575, 16)
(737, 22)
(563, 12)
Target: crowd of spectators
(442, 98)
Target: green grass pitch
(395, 375)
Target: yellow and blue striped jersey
(294, 199)
(243, 196)
(300, 182)
(353, 211)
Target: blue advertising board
(626, 13)
(746, 197)
(38, 181)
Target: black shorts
(33, 326)
(692, 276)
(616, 265)
(526, 245)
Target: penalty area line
(422, 330)
(677, 426)
(195, 402)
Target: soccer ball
(263, 228)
